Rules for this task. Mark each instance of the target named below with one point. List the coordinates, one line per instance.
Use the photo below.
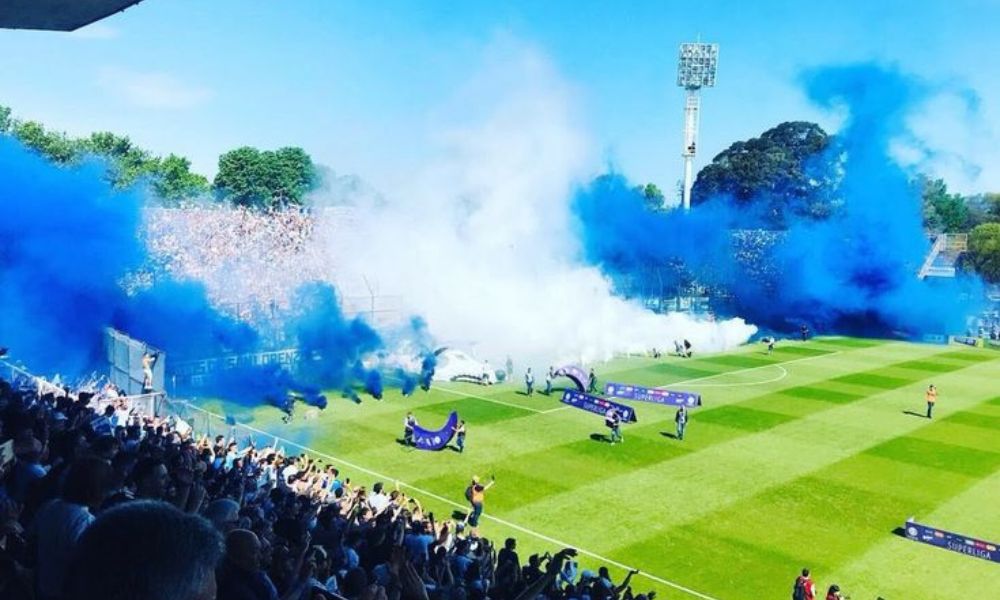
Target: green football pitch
(810, 457)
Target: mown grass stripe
(741, 361)
(969, 355)
(851, 342)
(780, 350)
(927, 366)
(871, 379)
(818, 392)
(973, 419)
(476, 411)
(747, 419)
(938, 455)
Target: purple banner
(597, 405)
(575, 373)
(955, 542)
(654, 395)
(425, 439)
(968, 341)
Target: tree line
(791, 171)
(262, 179)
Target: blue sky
(364, 86)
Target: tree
(942, 212)
(983, 208)
(5, 119)
(651, 195)
(787, 170)
(175, 181)
(983, 254)
(250, 177)
(128, 163)
(170, 178)
(56, 146)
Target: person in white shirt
(378, 500)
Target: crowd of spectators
(247, 258)
(118, 505)
(986, 325)
(753, 249)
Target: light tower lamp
(696, 69)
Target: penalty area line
(429, 494)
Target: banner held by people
(597, 405)
(654, 395)
(426, 439)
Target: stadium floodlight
(696, 68)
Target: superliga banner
(654, 395)
(955, 542)
(597, 405)
(426, 439)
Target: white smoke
(481, 244)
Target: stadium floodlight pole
(696, 69)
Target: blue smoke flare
(854, 272)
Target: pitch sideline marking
(504, 522)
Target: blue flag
(654, 395)
(597, 405)
(426, 439)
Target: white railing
(13, 374)
(144, 404)
(940, 242)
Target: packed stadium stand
(135, 501)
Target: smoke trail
(854, 272)
(482, 244)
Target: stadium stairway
(944, 255)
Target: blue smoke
(178, 317)
(427, 367)
(854, 272)
(66, 243)
(373, 384)
(65, 240)
(407, 381)
(331, 346)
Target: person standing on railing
(148, 361)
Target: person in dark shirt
(409, 422)
(681, 419)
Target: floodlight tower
(695, 69)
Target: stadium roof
(57, 15)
